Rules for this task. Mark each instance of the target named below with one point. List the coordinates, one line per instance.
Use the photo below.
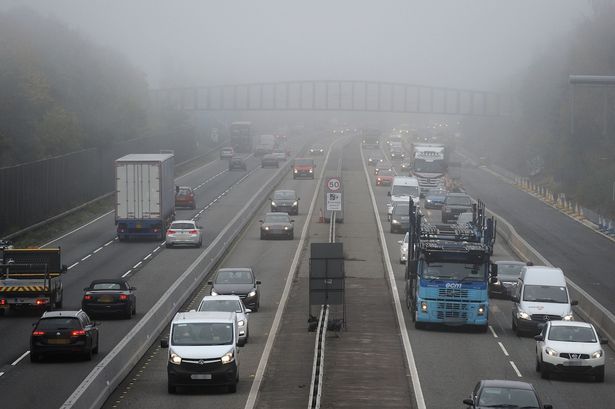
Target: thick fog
(458, 43)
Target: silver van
(541, 295)
(203, 350)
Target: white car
(403, 249)
(185, 232)
(570, 347)
(229, 303)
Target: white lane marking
(126, 273)
(77, 229)
(86, 257)
(1, 373)
(108, 243)
(148, 256)
(97, 250)
(73, 265)
(515, 368)
(156, 249)
(493, 331)
(414, 373)
(138, 264)
(503, 349)
(25, 354)
(262, 364)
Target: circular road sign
(334, 184)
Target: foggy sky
(457, 43)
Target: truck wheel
(172, 389)
(600, 374)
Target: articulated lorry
(448, 271)
(241, 136)
(429, 165)
(31, 278)
(144, 195)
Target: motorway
(448, 361)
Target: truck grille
(452, 293)
(448, 310)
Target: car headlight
(568, 317)
(241, 323)
(252, 293)
(213, 292)
(175, 359)
(285, 227)
(266, 227)
(597, 354)
(481, 310)
(311, 170)
(395, 221)
(428, 200)
(497, 282)
(295, 203)
(228, 357)
(550, 351)
(272, 203)
(296, 171)
(523, 315)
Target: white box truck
(144, 195)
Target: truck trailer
(144, 195)
(241, 136)
(429, 165)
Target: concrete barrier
(115, 366)
(588, 309)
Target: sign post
(334, 199)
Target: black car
(109, 296)
(63, 333)
(504, 394)
(400, 218)
(455, 204)
(237, 162)
(237, 281)
(269, 160)
(375, 158)
(507, 274)
(285, 201)
(277, 224)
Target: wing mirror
(248, 310)
(493, 279)
(210, 283)
(64, 268)
(514, 298)
(494, 270)
(468, 402)
(400, 242)
(258, 282)
(604, 341)
(164, 343)
(389, 194)
(133, 288)
(539, 338)
(574, 302)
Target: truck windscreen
(421, 165)
(454, 271)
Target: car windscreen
(509, 271)
(234, 277)
(58, 323)
(385, 172)
(571, 334)
(221, 305)
(202, 333)
(304, 162)
(183, 192)
(507, 398)
(421, 165)
(180, 226)
(545, 293)
(399, 190)
(465, 218)
(401, 210)
(107, 286)
(284, 195)
(454, 271)
(277, 218)
(458, 201)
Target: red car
(184, 197)
(385, 177)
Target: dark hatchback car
(400, 218)
(285, 201)
(455, 204)
(184, 197)
(237, 162)
(237, 281)
(277, 224)
(507, 274)
(63, 333)
(504, 394)
(112, 296)
(270, 160)
(435, 199)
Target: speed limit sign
(334, 184)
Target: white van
(203, 350)
(402, 189)
(541, 295)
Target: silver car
(277, 224)
(229, 303)
(403, 249)
(184, 232)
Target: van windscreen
(545, 293)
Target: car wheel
(291, 236)
(134, 308)
(255, 308)
(168, 245)
(35, 357)
(544, 371)
(232, 388)
(537, 364)
(172, 389)
(514, 325)
(199, 244)
(87, 355)
(262, 236)
(95, 350)
(599, 377)
(128, 313)
(444, 219)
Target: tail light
(379, 179)
(156, 229)
(38, 333)
(87, 297)
(193, 232)
(2, 301)
(170, 231)
(77, 333)
(123, 297)
(41, 301)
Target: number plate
(201, 376)
(60, 341)
(573, 362)
(105, 298)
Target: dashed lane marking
(516, 369)
(126, 273)
(97, 250)
(25, 354)
(493, 331)
(503, 349)
(86, 257)
(137, 265)
(72, 265)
